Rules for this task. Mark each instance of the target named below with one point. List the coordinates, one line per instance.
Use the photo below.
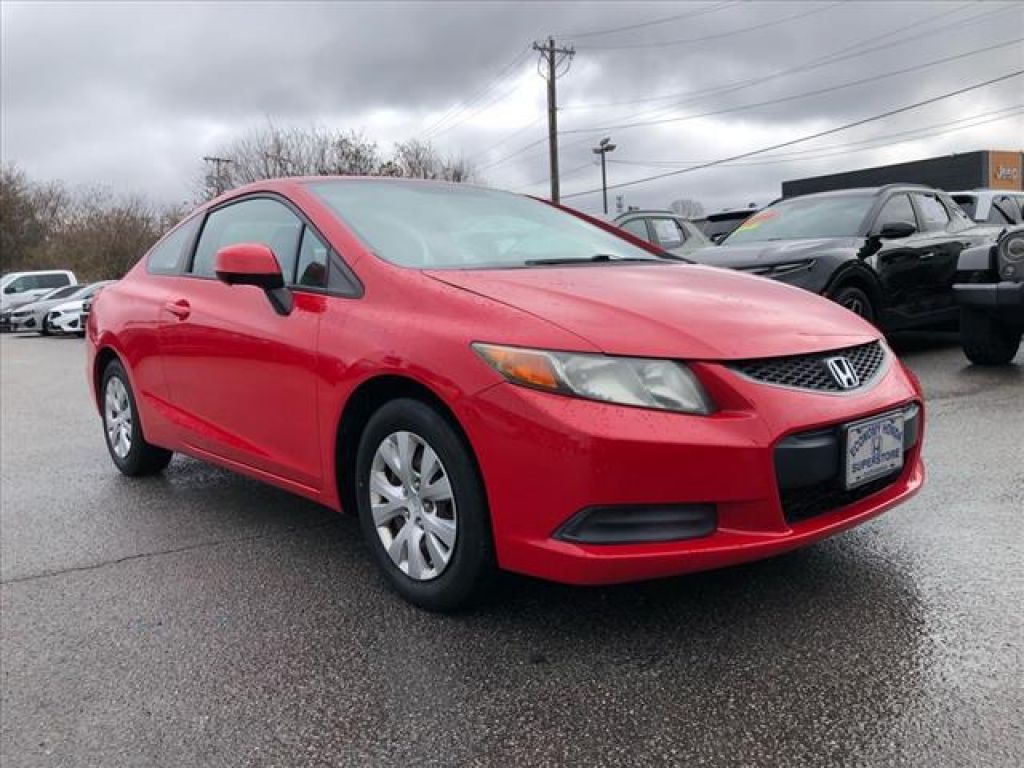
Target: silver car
(31, 317)
(664, 229)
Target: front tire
(856, 300)
(122, 429)
(422, 507)
(985, 340)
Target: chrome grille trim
(809, 372)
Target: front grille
(802, 503)
(810, 371)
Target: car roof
(855, 191)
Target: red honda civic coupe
(493, 382)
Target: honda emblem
(843, 372)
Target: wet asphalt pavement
(202, 619)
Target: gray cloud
(133, 94)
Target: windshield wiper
(596, 258)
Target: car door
(900, 263)
(941, 245)
(241, 377)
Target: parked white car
(19, 288)
(29, 317)
(69, 317)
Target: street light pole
(603, 148)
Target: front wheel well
(857, 279)
(103, 358)
(361, 405)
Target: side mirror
(254, 264)
(894, 230)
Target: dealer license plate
(873, 448)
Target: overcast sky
(132, 95)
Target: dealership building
(970, 170)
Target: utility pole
(603, 148)
(218, 172)
(553, 57)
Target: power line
(641, 25)
(716, 36)
(815, 63)
(491, 84)
(840, 55)
(794, 97)
(875, 142)
(573, 172)
(508, 138)
(819, 134)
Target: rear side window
(311, 270)
(668, 233)
(1004, 211)
(167, 256)
(933, 213)
(637, 227)
(54, 280)
(896, 208)
(250, 221)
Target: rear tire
(856, 300)
(122, 428)
(440, 575)
(985, 340)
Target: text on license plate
(873, 448)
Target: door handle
(179, 308)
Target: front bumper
(1003, 299)
(545, 458)
(65, 323)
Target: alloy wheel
(855, 305)
(117, 417)
(412, 505)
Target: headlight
(780, 270)
(1011, 249)
(662, 384)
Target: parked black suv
(887, 253)
(990, 291)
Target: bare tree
(272, 151)
(687, 208)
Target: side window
(312, 266)
(166, 257)
(250, 221)
(17, 286)
(933, 213)
(637, 227)
(1002, 212)
(896, 208)
(667, 233)
(53, 281)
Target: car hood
(670, 310)
(769, 252)
(68, 306)
(40, 306)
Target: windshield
(432, 225)
(61, 293)
(805, 218)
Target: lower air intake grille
(802, 503)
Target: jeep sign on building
(990, 169)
